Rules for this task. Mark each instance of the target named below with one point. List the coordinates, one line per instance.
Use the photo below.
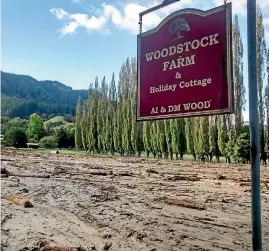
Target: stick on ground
(18, 200)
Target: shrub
(16, 137)
(242, 149)
(64, 138)
(48, 142)
(69, 118)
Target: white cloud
(266, 21)
(125, 18)
(59, 13)
(240, 6)
(78, 20)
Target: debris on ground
(18, 200)
(85, 202)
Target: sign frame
(228, 62)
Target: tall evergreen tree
(197, 138)
(154, 139)
(135, 133)
(204, 137)
(110, 114)
(163, 151)
(78, 137)
(146, 138)
(182, 139)
(84, 128)
(261, 57)
(95, 114)
(189, 128)
(92, 130)
(101, 116)
(168, 138)
(175, 135)
(118, 127)
(118, 118)
(140, 145)
(223, 136)
(213, 139)
(126, 107)
(239, 88)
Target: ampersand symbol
(178, 75)
(163, 109)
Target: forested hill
(23, 95)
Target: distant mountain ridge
(22, 95)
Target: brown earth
(122, 204)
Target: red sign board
(184, 65)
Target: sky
(73, 41)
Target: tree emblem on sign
(177, 26)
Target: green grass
(186, 157)
(55, 120)
(43, 150)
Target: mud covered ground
(122, 204)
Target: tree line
(23, 95)
(106, 121)
(17, 132)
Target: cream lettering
(180, 62)
(202, 42)
(197, 106)
(163, 88)
(180, 48)
(213, 39)
(200, 82)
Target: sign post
(185, 70)
(254, 127)
(185, 65)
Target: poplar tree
(204, 137)
(135, 131)
(182, 139)
(78, 138)
(154, 139)
(189, 128)
(110, 114)
(213, 139)
(126, 132)
(140, 145)
(101, 116)
(118, 129)
(178, 140)
(223, 136)
(84, 128)
(91, 119)
(95, 114)
(168, 138)
(118, 119)
(239, 88)
(163, 151)
(197, 138)
(175, 135)
(147, 137)
(261, 57)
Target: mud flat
(84, 202)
